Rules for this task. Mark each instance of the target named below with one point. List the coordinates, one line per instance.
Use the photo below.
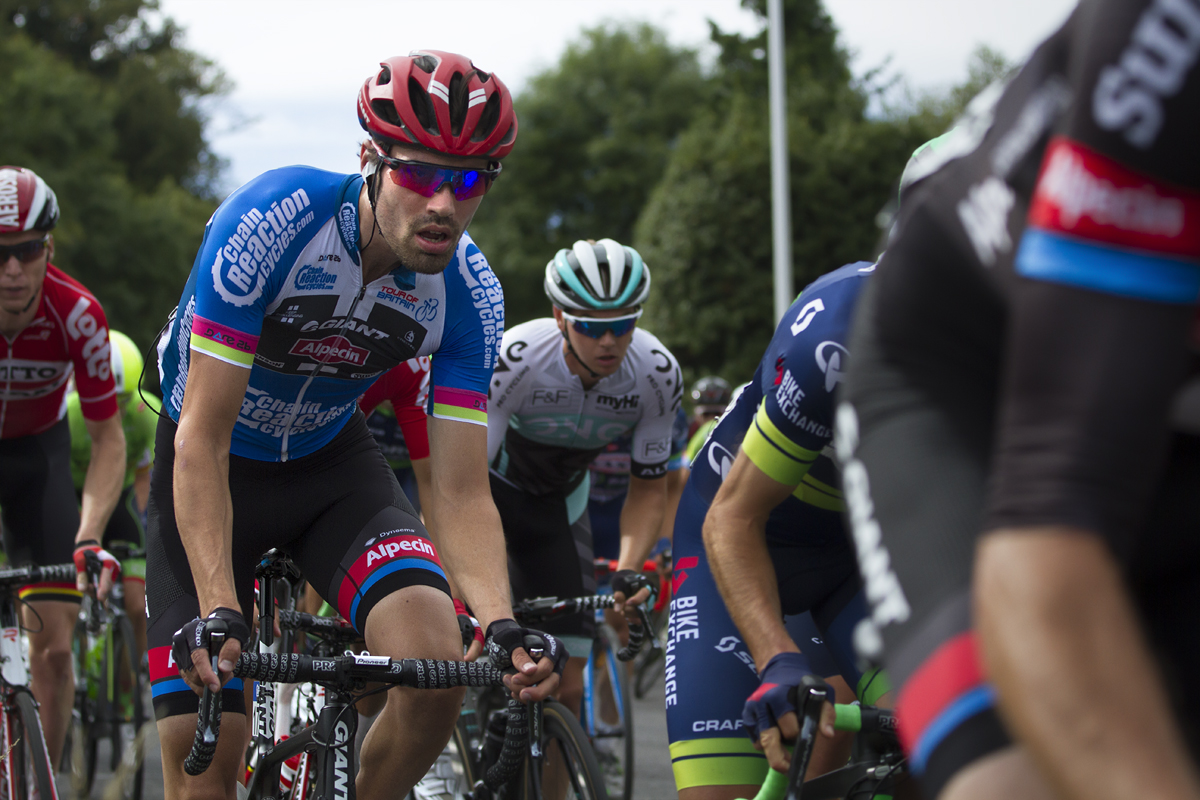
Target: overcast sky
(297, 64)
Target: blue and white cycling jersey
(277, 288)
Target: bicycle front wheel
(124, 706)
(28, 761)
(608, 716)
(569, 767)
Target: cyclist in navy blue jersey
(307, 287)
(759, 536)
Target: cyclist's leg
(171, 602)
(124, 526)
(41, 518)
(709, 674)
(372, 559)
(915, 466)
(549, 541)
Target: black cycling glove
(505, 635)
(629, 583)
(191, 636)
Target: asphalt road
(652, 765)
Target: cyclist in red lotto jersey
(53, 329)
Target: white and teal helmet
(597, 277)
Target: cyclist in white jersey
(564, 387)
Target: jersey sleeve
(90, 350)
(679, 442)
(409, 406)
(146, 423)
(505, 391)
(463, 364)
(235, 270)
(654, 435)
(793, 422)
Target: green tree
(596, 131)
(102, 105)
(706, 230)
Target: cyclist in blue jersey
(308, 286)
(759, 536)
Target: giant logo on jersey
(241, 265)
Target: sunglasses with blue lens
(595, 327)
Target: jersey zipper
(287, 430)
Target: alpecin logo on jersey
(402, 546)
(314, 278)
(1086, 194)
(255, 245)
(330, 350)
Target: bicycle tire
(80, 748)
(124, 692)
(572, 750)
(34, 777)
(612, 743)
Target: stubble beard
(409, 253)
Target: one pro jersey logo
(244, 262)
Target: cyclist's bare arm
(105, 474)
(1077, 682)
(203, 506)
(641, 520)
(471, 538)
(735, 540)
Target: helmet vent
(422, 106)
(484, 77)
(386, 110)
(385, 77)
(426, 64)
(488, 119)
(458, 104)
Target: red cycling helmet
(26, 202)
(439, 101)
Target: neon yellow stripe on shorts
(717, 762)
(820, 494)
(778, 456)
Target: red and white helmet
(439, 101)
(26, 202)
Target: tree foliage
(706, 230)
(101, 101)
(596, 132)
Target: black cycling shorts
(40, 512)
(548, 554)
(338, 513)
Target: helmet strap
(371, 184)
(571, 348)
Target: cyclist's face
(423, 232)
(603, 355)
(20, 281)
